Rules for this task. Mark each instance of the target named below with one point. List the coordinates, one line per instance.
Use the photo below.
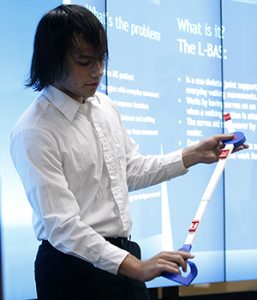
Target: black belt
(117, 241)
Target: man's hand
(207, 151)
(149, 269)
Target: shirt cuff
(111, 258)
(174, 164)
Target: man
(77, 164)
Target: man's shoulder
(32, 114)
(38, 120)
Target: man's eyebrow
(88, 56)
(84, 56)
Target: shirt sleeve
(38, 162)
(144, 171)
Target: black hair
(56, 35)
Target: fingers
(182, 259)
(171, 267)
(175, 260)
(241, 147)
(222, 137)
(219, 147)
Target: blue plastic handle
(178, 277)
(237, 140)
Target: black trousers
(61, 276)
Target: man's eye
(90, 62)
(86, 63)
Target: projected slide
(164, 75)
(240, 97)
(174, 68)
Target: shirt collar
(64, 103)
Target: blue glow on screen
(241, 77)
(168, 60)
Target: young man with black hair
(77, 165)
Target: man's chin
(88, 95)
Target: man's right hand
(149, 269)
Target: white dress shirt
(77, 164)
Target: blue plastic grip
(178, 277)
(238, 139)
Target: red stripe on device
(193, 226)
(227, 117)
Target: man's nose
(97, 69)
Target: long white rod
(208, 192)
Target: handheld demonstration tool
(237, 140)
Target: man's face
(84, 72)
